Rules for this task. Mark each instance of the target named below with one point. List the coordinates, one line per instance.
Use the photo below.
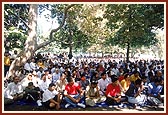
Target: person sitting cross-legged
(92, 94)
(125, 83)
(113, 92)
(154, 92)
(60, 85)
(102, 83)
(73, 94)
(134, 94)
(51, 97)
(14, 91)
(83, 82)
(32, 94)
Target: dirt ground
(22, 108)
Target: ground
(109, 109)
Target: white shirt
(13, 56)
(55, 77)
(47, 95)
(27, 67)
(36, 79)
(62, 69)
(52, 70)
(115, 71)
(39, 73)
(13, 89)
(108, 79)
(43, 85)
(33, 66)
(60, 85)
(25, 82)
(102, 84)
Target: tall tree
(86, 25)
(91, 22)
(31, 42)
(133, 24)
(70, 35)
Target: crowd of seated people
(81, 83)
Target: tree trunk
(70, 45)
(31, 43)
(70, 51)
(128, 48)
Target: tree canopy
(15, 23)
(130, 25)
(133, 24)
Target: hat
(51, 84)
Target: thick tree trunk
(31, 43)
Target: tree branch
(26, 24)
(63, 21)
(55, 30)
(43, 44)
(6, 23)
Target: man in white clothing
(27, 67)
(26, 80)
(43, 83)
(33, 65)
(102, 83)
(14, 91)
(51, 97)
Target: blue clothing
(153, 89)
(71, 102)
(132, 90)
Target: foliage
(79, 39)
(14, 39)
(15, 25)
(70, 33)
(16, 15)
(133, 23)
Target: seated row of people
(97, 91)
